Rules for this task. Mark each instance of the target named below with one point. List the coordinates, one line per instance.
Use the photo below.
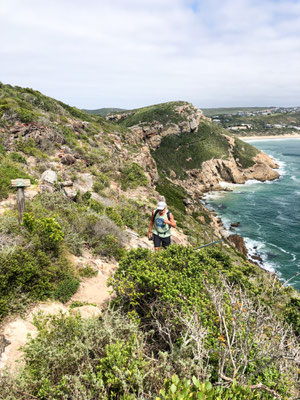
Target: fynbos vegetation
(182, 323)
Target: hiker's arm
(150, 225)
(171, 221)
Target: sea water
(268, 213)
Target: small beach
(287, 136)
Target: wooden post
(20, 184)
(204, 237)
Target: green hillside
(182, 323)
(104, 111)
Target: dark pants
(159, 241)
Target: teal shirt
(159, 227)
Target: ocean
(268, 213)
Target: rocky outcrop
(41, 135)
(263, 169)
(119, 116)
(151, 133)
(239, 243)
(147, 162)
(214, 171)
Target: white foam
(282, 167)
(259, 248)
(293, 256)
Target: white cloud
(129, 53)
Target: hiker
(160, 226)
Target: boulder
(239, 243)
(49, 176)
(70, 192)
(68, 159)
(66, 183)
(193, 124)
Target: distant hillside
(257, 121)
(209, 112)
(104, 111)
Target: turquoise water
(269, 213)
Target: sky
(131, 53)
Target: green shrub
(179, 291)
(47, 229)
(110, 246)
(94, 358)
(133, 176)
(88, 271)
(292, 314)
(96, 206)
(193, 389)
(114, 215)
(26, 116)
(17, 157)
(98, 187)
(31, 272)
(101, 182)
(121, 370)
(27, 146)
(9, 171)
(86, 196)
(67, 287)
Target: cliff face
(189, 117)
(214, 171)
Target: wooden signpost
(20, 184)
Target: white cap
(161, 205)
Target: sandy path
(16, 331)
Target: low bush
(33, 273)
(193, 389)
(82, 359)
(114, 215)
(81, 223)
(101, 182)
(26, 116)
(96, 206)
(67, 287)
(88, 271)
(292, 314)
(133, 176)
(203, 312)
(47, 230)
(9, 171)
(14, 156)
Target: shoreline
(287, 136)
